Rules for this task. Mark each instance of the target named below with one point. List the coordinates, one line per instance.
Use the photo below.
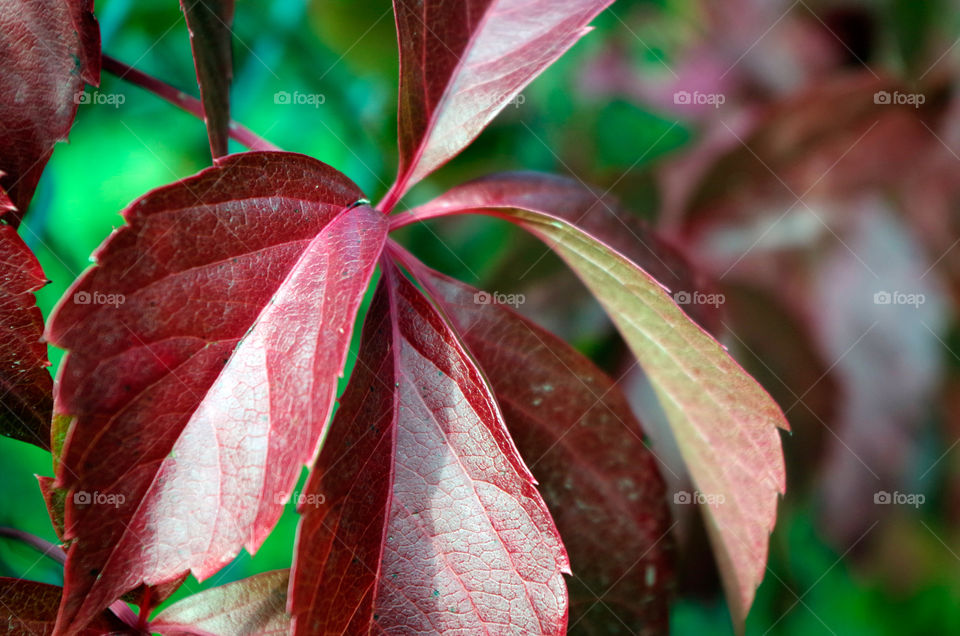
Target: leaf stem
(182, 100)
(43, 546)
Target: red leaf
(51, 48)
(462, 62)
(721, 420)
(424, 518)
(25, 384)
(28, 607)
(253, 606)
(601, 483)
(593, 212)
(209, 23)
(198, 393)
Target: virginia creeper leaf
(26, 387)
(210, 38)
(28, 607)
(462, 62)
(203, 357)
(723, 421)
(419, 515)
(249, 607)
(49, 49)
(585, 447)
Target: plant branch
(43, 546)
(182, 100)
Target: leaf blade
(248, 607)
(456, 73)
(28, 607)
(26, 403)
(196, 397)
(598, 478)
(58, 45)
(451, 504)
(723, 421)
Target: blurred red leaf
(210, 37)
(28, 607)
(462, 63)
(26, 387)
(249, 607)
(599, 480)
(419, 515)
(204, 352)
(49, 49)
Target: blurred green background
(612, 137)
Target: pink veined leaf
(26, 387)
(50, 48)
(210, 37)
(419, 516)
(594, 212)
(249, 607)
(28, 607)
(462, 62)
(203, 355)
(585, 447)
(723, 422)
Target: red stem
(43, 546)
(55, 552)
(391, 198)
(182, 100)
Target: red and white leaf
(722, 420)
(210, 37)
(28, 607)
(49, 49)
(462, 62)
(585, 447)
(26, 388)
(249, 607)
(203, 357)
(419, 516)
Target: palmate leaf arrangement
(191, 408)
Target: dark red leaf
(462, 62)
(596, 213)
(419, 515)
(586, 449)
(49, 49)
(25, 384)
(210, 37)
(250, 607)
(28, 607)
(204, 352)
